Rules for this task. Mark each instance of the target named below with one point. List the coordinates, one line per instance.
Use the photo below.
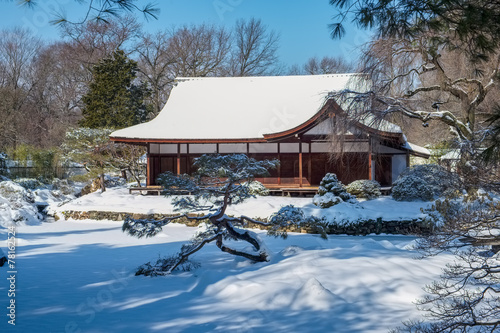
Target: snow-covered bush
(17, 204)
(256, 188)
(109, 181)
(411, 189)
(364, 188)
(63, 186)
(289, 216)
(331, 192)
(424, 182)
(286, 214)
(326, 201)
(15, 192)
(113, 181)
(30, 183)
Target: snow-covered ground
(78, 276)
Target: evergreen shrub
(364, 188)
(331, 192)
(257, 188)
(424, 182)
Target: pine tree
(113, 99)
(220, 181)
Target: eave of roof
(328, 109)
(416, 150)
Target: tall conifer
(113, 99)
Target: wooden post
(370, 158)
(178, 158)
(188, 160)
(279, 165)
(309, 165)
(148, 167)
(301, 182)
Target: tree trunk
(261, 257)
(103, 186)
(136, 178)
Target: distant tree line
(48, 88)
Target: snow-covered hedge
(331, 192)
(364, 188)
(295, 219)
(256, 188)
(424, 182)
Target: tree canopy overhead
(473, 25)
(436, 62)
(101, 10)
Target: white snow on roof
(378, 123)
(417, 149)
(238, 107)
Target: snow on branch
(149, 228)
(371, 105)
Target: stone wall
(362, 227)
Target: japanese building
(291, 118)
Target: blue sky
(302, 24)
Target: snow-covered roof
(417, 150)
(238, 107)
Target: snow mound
(314, 296)
(52, 197)
(17, 205)
(291, 251)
